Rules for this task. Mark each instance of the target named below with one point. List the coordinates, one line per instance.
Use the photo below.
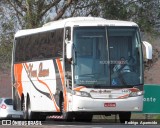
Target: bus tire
(24, 109)
(67, 116)
(27, 113)
(31, 115)
(124, 116)
(14, 99)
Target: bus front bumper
(87, 104)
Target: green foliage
(143, 12)
(33, 13)
(6, 39)
(158, 117)
(34, 10)
(115, 9)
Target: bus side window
(34, 51)
(19, 52)
(29, 45)
(57, 43)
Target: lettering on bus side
(34, 73)
(43, 72)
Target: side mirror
(148, 47)
(69, 43)
(69, 46)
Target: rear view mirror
(148, 48)
(68, 43)
(69, 46)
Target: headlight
(133, 94)
(81, 93)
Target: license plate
(109, 104)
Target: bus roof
(74, 21)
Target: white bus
(67, 67)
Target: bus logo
(38, 73)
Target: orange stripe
(18, 78)
(124, 96)
(60, 71)
(78, 88)
(63, 83)
(57, 108)
(134, 89)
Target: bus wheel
(67, 116)
(124, 116)
(27, 113)
(14, 99)
(24, 109)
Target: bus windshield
(107, 56)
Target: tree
(143, 12)
(84, 8)
(24, 14)
(146, 14)
(6, 37)
(32, 13)
(114, 9)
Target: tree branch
(62, 10)
(15, 8)
(48, 7)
